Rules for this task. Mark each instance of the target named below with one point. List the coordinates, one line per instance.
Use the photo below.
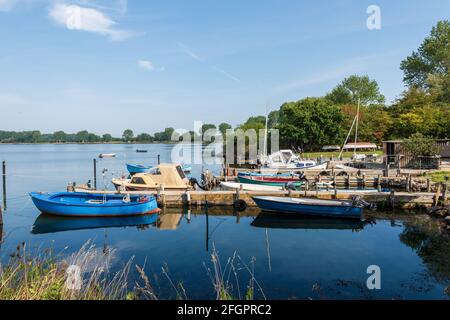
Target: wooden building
(395, 154)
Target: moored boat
(249, 187)
(311, 206)
(137, 168)
(141, 151)
(51, 224)
(271, 181)
(76, 204)
(107, 155)
(164, 176)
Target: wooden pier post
(1, 222)
(378, 183)
(95, 174)
(408, 185)
(392, 199)
(436, 195)
(159, 159)
(444, 193)
(4, 183)
(428, 185)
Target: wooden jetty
(198, 199)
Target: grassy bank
(438, 176)
(86, 275)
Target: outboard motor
(194, 182)
(290, 186)
(358, 202)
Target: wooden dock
(198, 199)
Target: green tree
(431, 59)
(82, 136)
(144, 137)
(206, 127)
(60, 136)
(273, 119)
(223, 127)
(420, 145)
(128, 135)
(354, 87)
(310, 123)
(107, 137)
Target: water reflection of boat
(50, 224)
(169, 221)
(274, 221)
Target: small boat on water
(271, 181)
(107, 155)
(93, 205)
(312, 206)
(165, 176)
(137, 168)
(51, 224)
(141, 151)
(249, 187)
(286, 159)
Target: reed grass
(86, 275)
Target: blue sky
(147, 65)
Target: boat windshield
(181, 172)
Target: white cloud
(145, 64)
(189, 52)
(74, 17)
(6, 5)
(226, 74)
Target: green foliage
(206, 127)
(354, 87)
(144, 137)
(310, 123)
(223, 127)
(128, 135)
(107, 137)
(256, 123)
(420, 145)
(432, 59)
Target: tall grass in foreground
(85, 275)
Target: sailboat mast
(357, 122)
(265, 133)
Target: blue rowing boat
(311, 206)
(79, 204)
(51, 224)
(137, 168)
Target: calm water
(291, 257)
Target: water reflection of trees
(431, 245)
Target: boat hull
(269, 181)
(309, 207)
(249, 187)
(135, 168)
(76, 205)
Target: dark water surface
(290, 257)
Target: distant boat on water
(141, 151)
(76, 204)
(107, 155)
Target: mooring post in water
(95, 174)
(159, 159)
(1, 222)
(4, 183)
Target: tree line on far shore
(422, 110)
